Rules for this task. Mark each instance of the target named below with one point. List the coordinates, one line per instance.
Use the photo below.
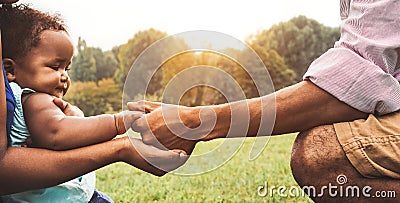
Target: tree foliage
(299, 41)
(106, 64)
(285, 51)
(93, 99)
(197, 65)
(146, 77)
(280, 74)
(128, 52)
(92, 64)
(83, 67)
(193, 93)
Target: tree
(280, 74)
(130, 51)
(92, 64)
(94, 99)
(83, 67)
(106, 63)
(146, 76)
(223, 77)
(299, 41)
(172, 68)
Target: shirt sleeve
(344, 8)
(363, 68)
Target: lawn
(235, 181)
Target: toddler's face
(44, 68)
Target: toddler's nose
(64, 78)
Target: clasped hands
(167, 140)
(167, 126)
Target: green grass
(235, 181)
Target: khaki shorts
(372, 145)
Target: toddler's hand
(123, 120)
(67, 108)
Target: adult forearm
(292, 109)
(305, 105)
(29, 168)
(297, 108)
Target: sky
(106, 24)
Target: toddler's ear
(9, 66)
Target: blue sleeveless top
(10, 99)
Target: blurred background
(287, 35)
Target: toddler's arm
(50, 128)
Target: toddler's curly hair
(21, 27)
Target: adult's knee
(300, 160)
(314, 155)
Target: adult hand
(154, 130)
(67, 108)
(151, 159)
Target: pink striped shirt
(363, 68)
